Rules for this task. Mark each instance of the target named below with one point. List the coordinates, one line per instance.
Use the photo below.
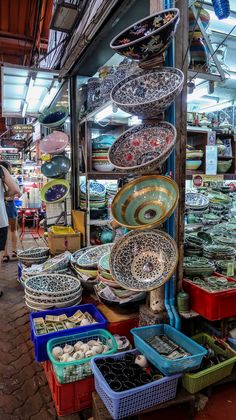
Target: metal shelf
(99, 222)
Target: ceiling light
(64, 17)
(197, 93)
(29, 90)
(134, 120)
(104, 113)
(218, 107)
(25, 106)
(48, 98)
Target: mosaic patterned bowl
(33, 253)
(55, 191)
(147, 37)
(57, 167)
(52, 285)
(147, 93)
(196, 201)
(145, 202)
(54, 117)
(27, 261)
(143, 147)
(90, 259)
(143, 260)
(54, 143)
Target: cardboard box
(60, 243)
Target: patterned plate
(52, 284)
(33, 253)
(145, 202)
(92, 256)
(95, 189)
(104, 262)
(35, 307)
(196, 200)
(145, 147)
(143, 260)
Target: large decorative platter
(55, 191)
(147, 93)
(145, 202)
(147, 37)
(143, 147)
(92, 256)
(57, 167)
(52, 284)
(55, 142)
(54, 117)
(143, 260)
(196, 200)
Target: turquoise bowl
(145, 202)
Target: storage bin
(40, 341)
(211, 305)
(67, 372)
(168, 367)
(123, 404)
(194, 382)
(59, 243)
(69, 398)
(62, 230)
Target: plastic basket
(123, 404)
(194, 382)
(62, 230)
(168, 367)
(40, 341)
(69, 398)
(69, 372)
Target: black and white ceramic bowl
(147, 93)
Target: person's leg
(5, 257)
(3, 239)
(14, 236)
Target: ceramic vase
(202, 13)
(198, 52)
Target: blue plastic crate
(40, 341)
(169, 367)
(123, 404)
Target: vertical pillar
(155, 6)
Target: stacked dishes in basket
(97, 198)
(100, 148)
(46, 291)
(198, 266)
(33, 256)
(196, 201)
(219, 252)
(193, 158)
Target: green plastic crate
(194, 382)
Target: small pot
(110, 377)
(145, 378)
(105, 370)
(116, 386)
(117, 367)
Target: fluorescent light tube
(29, 90)
(217, 107)
(25, 106)
(104, 113)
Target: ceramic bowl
(33, 253)
(55, 191)
(196, 201)
(143, 260)
(54, 143)
(54, 117)
(104, 141)
(52, 285)
(147, 37)
(193, 165)
(147, 93)
(223, 166)
(145, 202)
(91, 257)
(143, 147)
(103, 166)
(194, 154)
(57, 167)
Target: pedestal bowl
(145, 202)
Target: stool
(30, 215)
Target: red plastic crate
(211, 305)
(69, 398)
(123, 328)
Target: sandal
(1, 293)
(14, 254)
(5, 258)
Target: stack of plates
(111, 190)
(47, 291)
(219, 252)
(104, 274)
(198, 266)
(193, 245)
(196, 201)
(33, 256)
(210, 219)
(100, 147)
(97, 196)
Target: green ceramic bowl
(193, 165)
(223, 166)
(54, 117)
(55, 191)
(145, 202)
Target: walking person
(9, 187)
(12, 219)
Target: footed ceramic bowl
(54, 143)
(143, 260)
(55, 191)
(147, 37)
(54, 117)
(223, 166)
(57, 167)
(143, 147)
(145, 202)
(147, 93)
(193, 165)
(103, 166)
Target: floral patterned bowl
(145, 202)
(147, 93)
(147, 37)
(143, 147)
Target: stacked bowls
(193, 158)
(100, 148)
(97, 199)
(33, 256)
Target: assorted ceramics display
(148, 37)
(145, 202)
(143, 147)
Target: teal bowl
(54, 117)
(145, 202)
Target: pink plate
(54, 143)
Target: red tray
(69, 398)
(211, 305)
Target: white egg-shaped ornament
(89, 353)
(84, 322)
(68, 349)
(70, 359)
(106, 348)
(98, 348)
(92, 343)
(141, 361)
(84, 347)
(64, 357)
(78, 345)
(78, 355)
(57, 352)
(119, 344)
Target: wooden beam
(181, 45)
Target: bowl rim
(49, 110)
(140, 128)
(118, 47)
(140, 73)
(167, 179)
(51, 184)
(45, 139)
